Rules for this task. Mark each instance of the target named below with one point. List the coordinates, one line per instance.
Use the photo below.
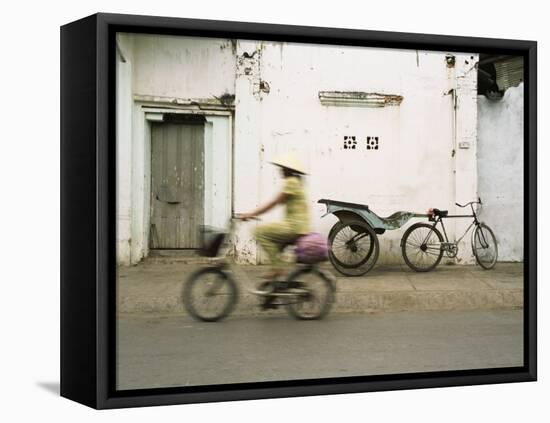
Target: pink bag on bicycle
(311, 248)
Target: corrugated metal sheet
(509, 72)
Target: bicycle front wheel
(484, 246)
(209, 294)
(314, 293)
(421, 247)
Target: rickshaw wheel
(353, 248)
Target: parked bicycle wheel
(314, 293)
(484, 246)
(421, 247)
(353, 248)
(209, 294)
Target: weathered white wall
(500, 168)
(169, 66)
(276, 85)
(414, 166)
(124, 106)
(217, 178)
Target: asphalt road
(178, 351)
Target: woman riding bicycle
(273, 237)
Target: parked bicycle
(210, 294)
(423, 245)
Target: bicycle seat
(440, 213)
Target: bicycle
(210, 294)
(423, 245)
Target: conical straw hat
(290, 161)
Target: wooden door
(177, 185)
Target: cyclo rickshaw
(353, 240)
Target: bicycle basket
(212, 241)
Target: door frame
(148, 111)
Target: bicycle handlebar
(471, 202)
(236, 217)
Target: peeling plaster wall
(500, 167)
(277, 108)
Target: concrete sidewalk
(155, 286)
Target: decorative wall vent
(372, 143)
(350, 142)
(358, 99)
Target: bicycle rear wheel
(484, 246)
(314, 293)
(421, 247)
(209, 294)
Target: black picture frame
(88, 264)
